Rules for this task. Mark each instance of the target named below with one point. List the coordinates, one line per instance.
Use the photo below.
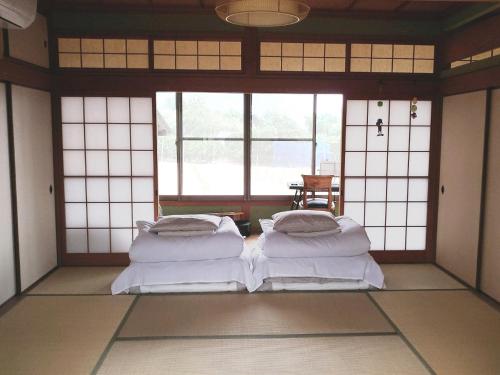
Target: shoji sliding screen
(108, 171)
(386, 176)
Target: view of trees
(281, 132)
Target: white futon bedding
(225, 242)
(311, 283)
(164, 276)
(355, 268)
(352, 240)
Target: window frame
(247, 151)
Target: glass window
(283, 148)
(212, 167)
(166, 123)
(282, 116)
(212, 115)
(328, 134)
(212, 126)
(282, 136)
(201, 139)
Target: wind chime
(379, 122)
(413, 115)
(413, 108)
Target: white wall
(34, 175)
(7, 269)
(490, 272)
(31, 44)
(462, 145)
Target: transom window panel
(302, 57)
(478, 57)
(386, 176)
(108, 171)
(197, 54)
(101, 53)
(392, 58)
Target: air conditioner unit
(17, 14)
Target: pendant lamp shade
(262, 13)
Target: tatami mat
(58, 335)
(418, 276)
(455, 331)
(78, 280)
(254, 314)
(326, 355)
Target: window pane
(354, 189)
(212, 115)
(74, 190)
(213, 168)
(282, 115)
(375, 189)
(355, 211)
(395, 238)
(355, 139)
(355, 163)
(275, 163)
(328, 133)
(415, 238)
(356, 112)
(166, 148)
(376, 236)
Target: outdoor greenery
(273, 117)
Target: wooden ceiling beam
(351, 5)
(401, 6)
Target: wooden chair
(314, 184)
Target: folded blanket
(225, 242)
(352, 240)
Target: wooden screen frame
(88, 258)
(145, 83)
(365, 177)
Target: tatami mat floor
(424, 322)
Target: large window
(293, 134)
(212, 144)
(206, 139)
(208, 131)
(282, 130)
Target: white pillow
(186, 233)
(175, 223)
(144, 225)
(304, 221)
(266, 225)
(314, 234)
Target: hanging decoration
(413, 108)
(379, 122)
(379, 128)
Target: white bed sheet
(357, 268)
(156, 274)
(231, 286)
(352, 240)
(311, 283)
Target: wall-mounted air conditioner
(17, 14)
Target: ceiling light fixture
(262, 13)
